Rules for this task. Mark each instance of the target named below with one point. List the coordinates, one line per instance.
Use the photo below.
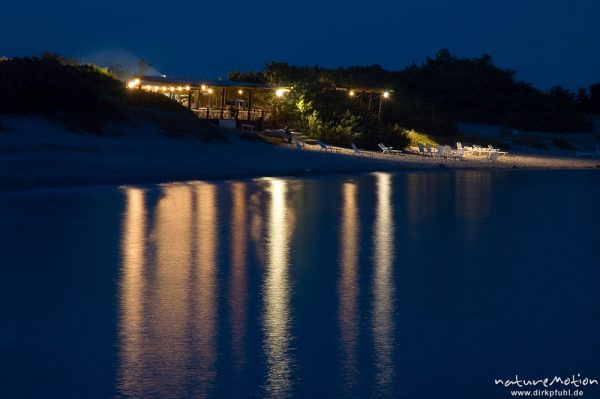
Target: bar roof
(194, 82)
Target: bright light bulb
(133, 83)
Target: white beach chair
(324, 146)
(357, 151)
(459, 154)
(494, 156)
(479, 150)
(429, 150)
(492, 149)
(465, 148)
(441, 151)
(388, 150)
(448, 151)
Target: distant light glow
(132, 84)
(386, 94)
(187, 88)
(240, 92)
(210, 91)
(203, 87)
(280, 92)
(351, 93)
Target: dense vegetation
(431, 97)
(84, 97)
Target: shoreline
(37, 155)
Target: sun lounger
(441, 151)
(327, 147)
(494, 156)
(388, 150)
(429, 150)
(448, 151)
(358, 151)
(458, 154)
(466, 149)
(492, 149)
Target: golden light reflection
(383, 285)
(131, 291)
(170, 293)
(168, 302)
(256, 210)
(348, 286)
(205, 286)
(238, 296)
(277, 294)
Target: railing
(242, 115)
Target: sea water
(408, 285)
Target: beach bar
(246, 103)
(215, 100)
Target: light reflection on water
(238, 284)
(204, 290)
(277, 294)
(210, 284)
(383, 285)
(348, 288)
(132, 290)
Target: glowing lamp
(279, 92)
(133, 83)
(386, 94)
(351, 93)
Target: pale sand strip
(39, 155)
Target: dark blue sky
(548, 42)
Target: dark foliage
(434, 96)
(563, 144)
(83, 97)
(590, 102)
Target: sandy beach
(35, 153)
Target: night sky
(549, 42)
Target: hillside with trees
(86, 98)
(432, 98)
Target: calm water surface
(414, 285)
